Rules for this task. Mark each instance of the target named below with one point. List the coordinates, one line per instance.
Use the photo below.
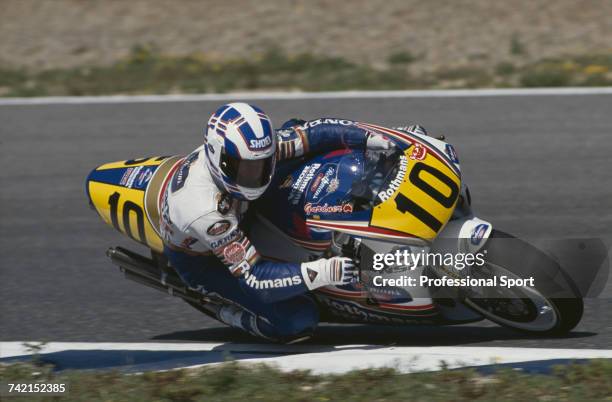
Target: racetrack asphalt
(537, 166)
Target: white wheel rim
(546, 319)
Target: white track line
(339, 359)
(418, 359)
(435, 93)
(10, 349)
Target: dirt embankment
(431, 34)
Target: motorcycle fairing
(423, 203)
(440, 149)
(352, 311)
(125, 195)
(414, 203)
(318, 188)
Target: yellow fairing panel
(123, 208)
(125, 196)
(152, 161)
(424, 201)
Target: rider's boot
(238, 317)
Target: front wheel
(552, 306)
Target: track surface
(537, 166)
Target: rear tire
(552, 307)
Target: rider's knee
(294, 320)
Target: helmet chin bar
(251, 194)
(245, 194)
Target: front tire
(552, 307)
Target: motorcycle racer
(206, 197)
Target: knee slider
(293, 319)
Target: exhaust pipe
(129, 261)
(145, 272)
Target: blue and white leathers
(200, 224)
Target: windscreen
(381, 168)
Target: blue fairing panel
(319, 188)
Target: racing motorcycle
(361, 203)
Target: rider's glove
(413, 129)
(332, 271)
(377, 142)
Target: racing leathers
(204, 242)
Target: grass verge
(146, 71)
(232, 381)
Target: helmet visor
(250, 173)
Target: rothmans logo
(397, 182)
(253, 282)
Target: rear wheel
(552, 306)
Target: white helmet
(241, 149)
